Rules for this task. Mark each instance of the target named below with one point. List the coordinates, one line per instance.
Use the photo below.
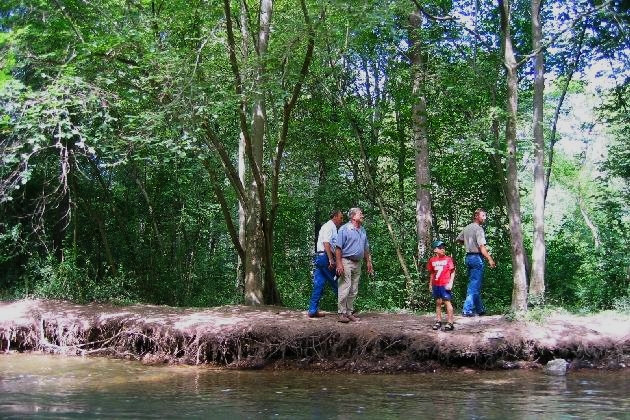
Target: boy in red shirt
(441, 274)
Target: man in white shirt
(324, 262)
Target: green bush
(67, 280)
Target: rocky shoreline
(239, 337)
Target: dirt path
(270, 337)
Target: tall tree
(420, 138)
(259, 206)
(537, 278)
(512, 190)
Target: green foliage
(510, 314)
(104, 194)
(565, 256)
(540, 314)
(622, 303)
(71, 280)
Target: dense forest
(187, 152)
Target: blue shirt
(352, 241)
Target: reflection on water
(37, 386)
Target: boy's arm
(449, 286)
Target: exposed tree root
(272, 339)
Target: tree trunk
(402, 154)
(251, 193)
(240, 267)
(589, 223)
(253, 247)
(537, 278)
(256, 261)
(257, 217)
(519, 292)
(421, 143)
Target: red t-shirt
(442, 267)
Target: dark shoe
(353, 318)
(482, 313)
(343, 319)
(449, 326)
(437, 325)
(316, 315)
(468, 314)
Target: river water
(42, 386)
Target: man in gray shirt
(474, 239)
(352, 248)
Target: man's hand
(486, 254)
(491, 262)
(339, 269)
(370, 269)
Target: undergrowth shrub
(69, 280)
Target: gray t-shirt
(473, 236)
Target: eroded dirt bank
(270, 337)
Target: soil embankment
(270, 337)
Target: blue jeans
(321, 275)
(473, 304)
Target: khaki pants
(348, 285)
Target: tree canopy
(186, 152)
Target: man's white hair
(353, 211)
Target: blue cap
(438, 244)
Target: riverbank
(240, 337)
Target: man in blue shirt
(352, 248)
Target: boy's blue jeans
(473, 303)
(321, 276)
